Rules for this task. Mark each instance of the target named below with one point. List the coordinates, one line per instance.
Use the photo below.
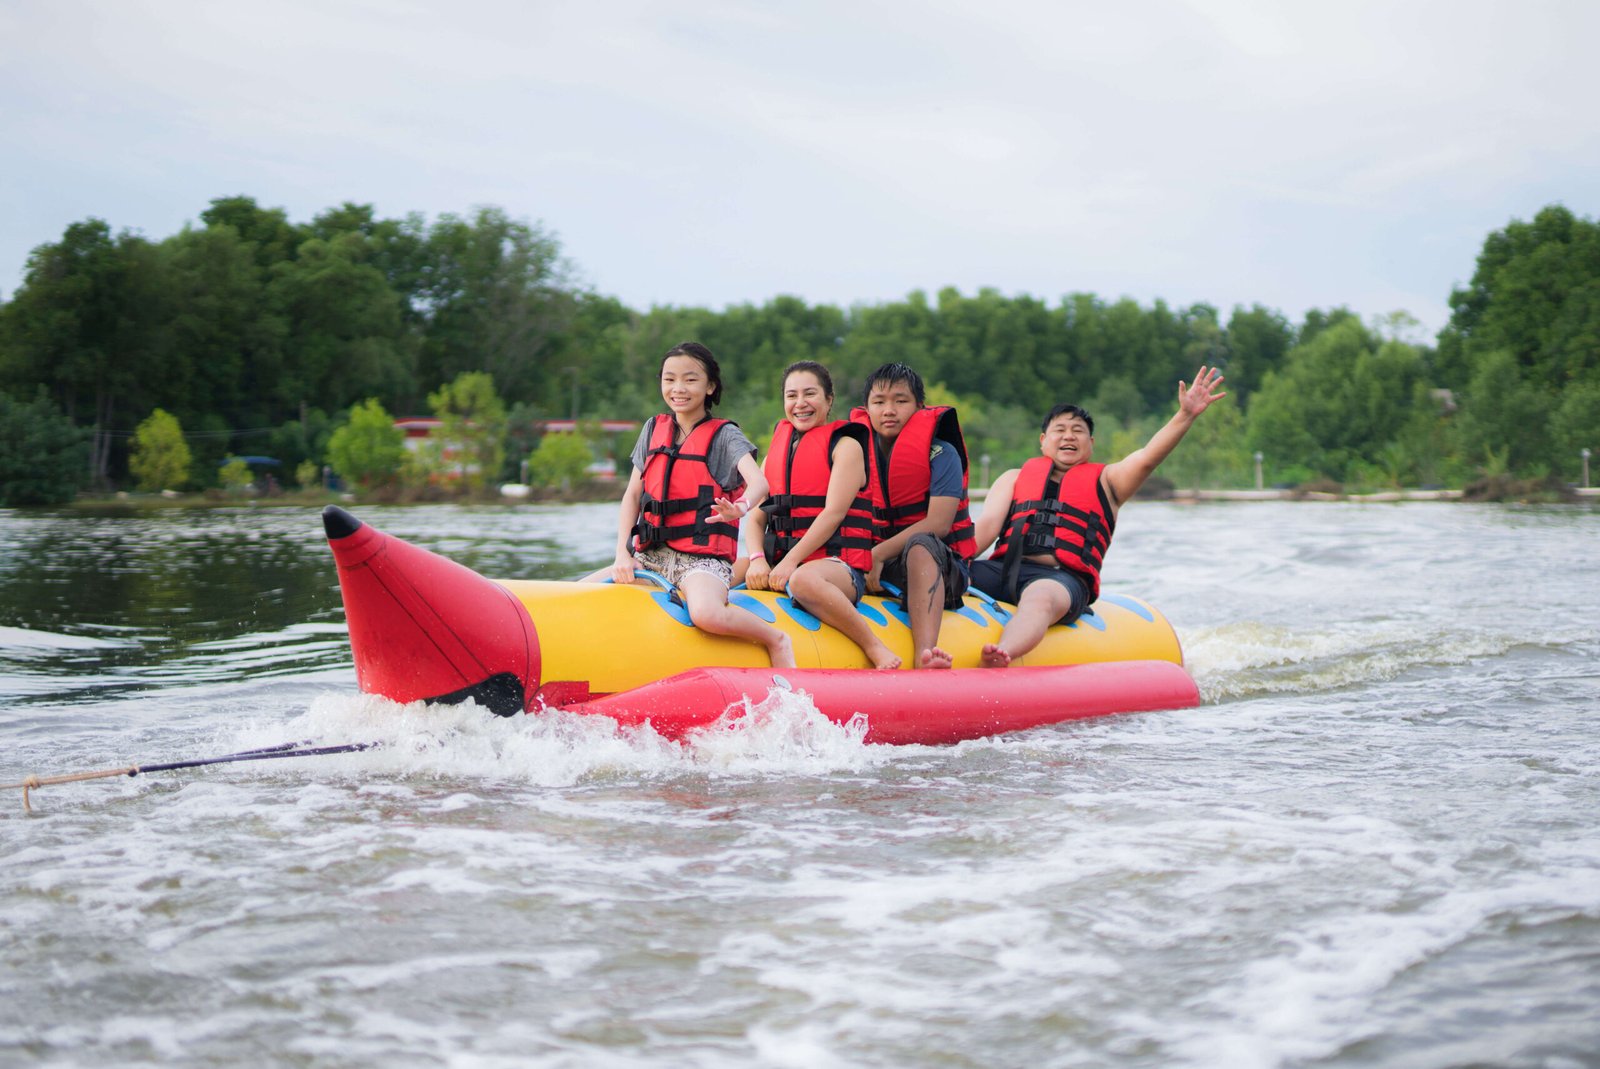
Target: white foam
(782, 733)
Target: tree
(1336, 402)
(160, 457)
(268, 232)
(1214, 452)
(1523, 342)
(560, 460)
(1575, 426)
(345, 337)
(83, 325)
(1504, 418)
(236, 476)
(1257, 341)
(43, 457)
(369, 448)
(472, 435)
(224, 340)
(497, 297)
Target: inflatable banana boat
(424, 628)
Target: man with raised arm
(1054, 516)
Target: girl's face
(805, 403)
(685, 386)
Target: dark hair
(709, 362)
(816, 369)
(1067, 410)
(889, 374)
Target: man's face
(889, 405)
(1066, 442)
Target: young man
(1054, 517)
(917, 479)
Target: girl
(678, 517)
(816, 525)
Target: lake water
(1377, 842)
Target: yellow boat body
(615, 638)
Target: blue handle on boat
(890, 588)
(655, 577)
(981, 596)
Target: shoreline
(1381, 496)
(143, 503)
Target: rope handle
(265, 753)
(33, 783)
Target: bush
(307, 474)
(369, 449)
(160, 457)
(44, 459)
(560, 460)
(236, 476)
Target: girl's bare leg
(707, 601)
(825, 587)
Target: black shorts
(989, 576)
(951, 566)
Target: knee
(804, 583)
(1046, 597)
(702, 615)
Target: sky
(1232, 152)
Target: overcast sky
(1227, 151)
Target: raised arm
(1124, 477)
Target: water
(1376, 844)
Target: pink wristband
(758, 556)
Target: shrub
(44, 459)
(160, 457)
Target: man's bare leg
(1043, 602)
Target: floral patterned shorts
(672, 565)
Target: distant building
(418, 429)
(607, 426)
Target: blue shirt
(944, 475)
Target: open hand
(1197, 398)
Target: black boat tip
(339, 523)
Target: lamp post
(983, 466)
(1258, 469)
(1584, 453)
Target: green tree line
(259, 335)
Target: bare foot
(882, 656)
(781, 652)
(936, 658)
(994, 657)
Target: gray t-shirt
(728, 447)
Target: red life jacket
(676, 506)
(1071, 519)
(899, 482)
(798, 467)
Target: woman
(816, 526)
(678, 516)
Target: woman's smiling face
(805, 402)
